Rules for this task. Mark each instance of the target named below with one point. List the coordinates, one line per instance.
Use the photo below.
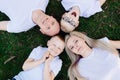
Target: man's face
(49, 26)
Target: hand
(45, 56)
(49, 59)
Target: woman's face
(76, 45)
(55, 46)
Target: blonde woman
(92, 59)
(76, 8)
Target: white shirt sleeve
(35, 53)
(44, 4)
(12, 27)
(56, 66)
(104, 39)
(68, 4)
(93, 9)
(87, 7)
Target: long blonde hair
(73, 70)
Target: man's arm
(3, 25)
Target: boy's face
(49, 26)
(55, 46)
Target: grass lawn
(106, 23)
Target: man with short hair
(25, 14)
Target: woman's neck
(87, 52)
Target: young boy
(43, 63)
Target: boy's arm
(3, 25)
(32, 63)
(48, 74)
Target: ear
(42, 31)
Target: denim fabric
(13, 79)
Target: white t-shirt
(87, 7)
(37, 72)
(100, 65)
(20, 13)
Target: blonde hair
(73, 70)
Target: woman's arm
(48, 74)
(116, 44)
(31, 63)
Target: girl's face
(76, 45)
(71, 19)
(55, 46)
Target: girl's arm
(32, 63)
(102, 2)
(48, 74)
(3, 25)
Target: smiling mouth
(74, 13)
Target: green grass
(102, 24)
